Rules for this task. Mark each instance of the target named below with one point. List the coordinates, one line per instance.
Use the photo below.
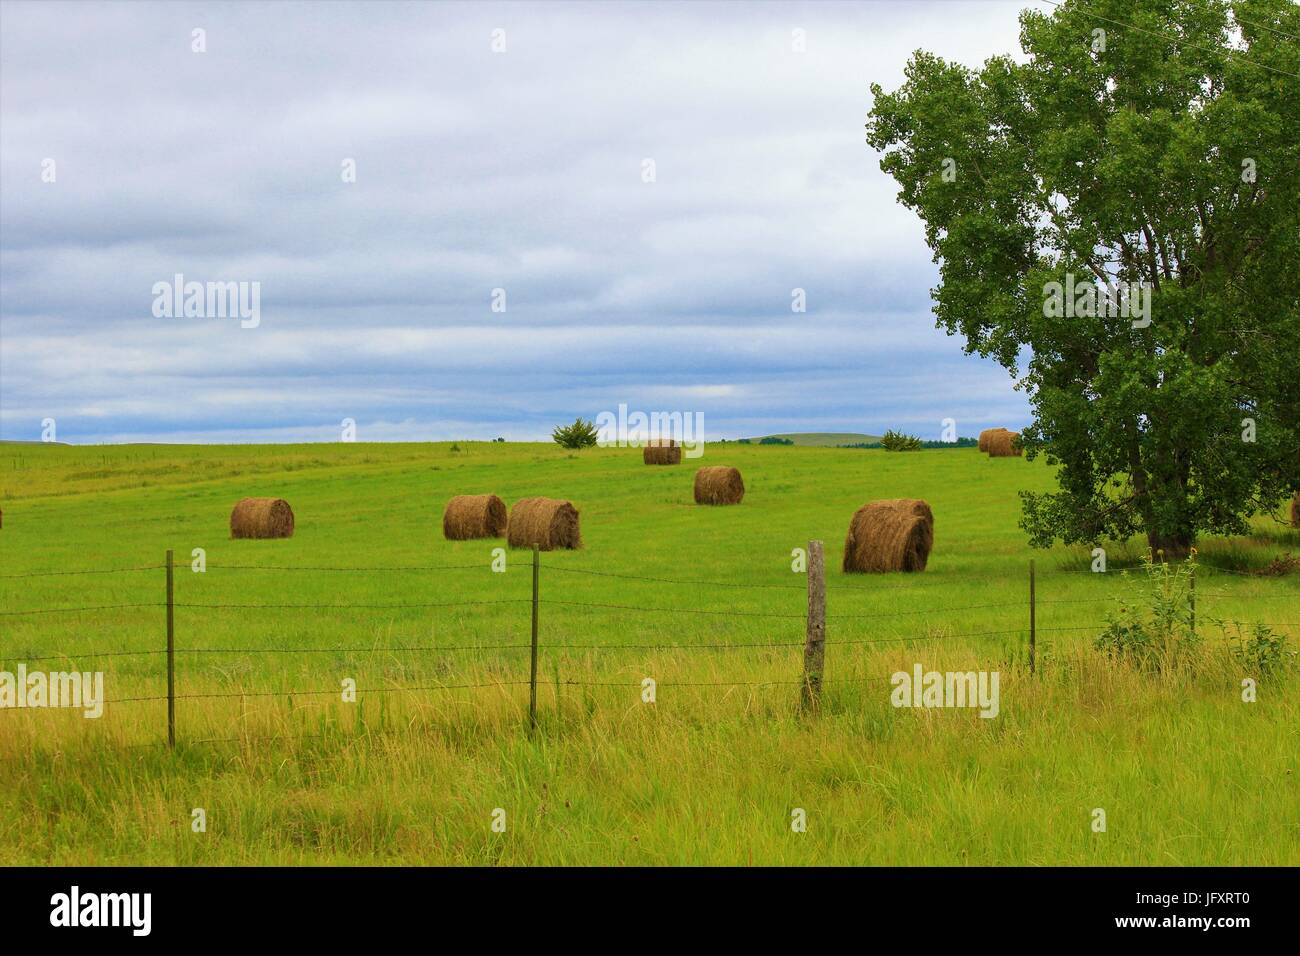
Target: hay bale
(718, 485)
(548, 523)
(262, 518)
(892, 535)
(914, 506)
(1004, 444)
(661, 451)
(987, 434)
(474, 516)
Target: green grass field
(288, 773)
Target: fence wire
(598, 648)
(353, 570)
(569, 645)
(350, 605)
(53, 573)
(80, 610)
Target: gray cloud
(475, 171)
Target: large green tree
(1135, 143)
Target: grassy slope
(1186, 773)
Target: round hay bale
(892, 535)
(662, 454)
(914, 506)
(262, 518)
(474, 516)
(984, 437)
(1004, 444)
(548, 523)
(718, 485)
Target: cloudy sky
(477, 170)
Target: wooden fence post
(171, 654)
(1033, 621)
(814, 648)
(532, 678)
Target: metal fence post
(532, 676)
(171, 653)
(1033, 621)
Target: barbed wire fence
(810, 680)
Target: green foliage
(774, 440)
(1258, 648)
(1167, 158)
(899, 441)
(1153, 627)
(578, 435)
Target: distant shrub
(898, 441)
(774, 440)
(578, 435)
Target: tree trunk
(1175, 547)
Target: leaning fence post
(1033, 622)
(171, 655)
(814, 648)
(532, 677)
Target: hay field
(709, 774)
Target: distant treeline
(959, 443)
(774, 440)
